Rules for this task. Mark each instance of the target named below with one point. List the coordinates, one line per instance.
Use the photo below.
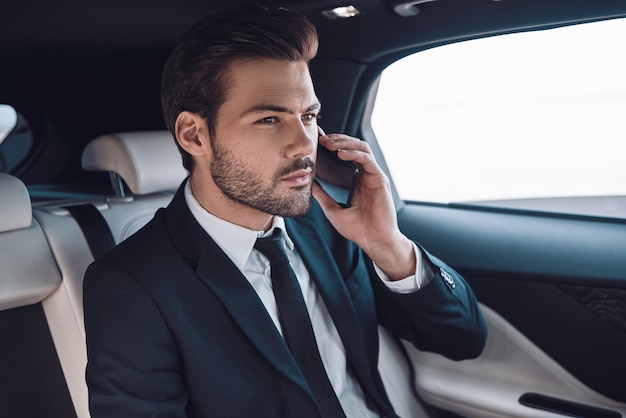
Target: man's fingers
(351, 149)
(335, 142)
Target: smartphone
(338, 177)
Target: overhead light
(342, 12)
(407, 8)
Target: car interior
(88, 161)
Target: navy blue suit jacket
(175, 330)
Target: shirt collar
(236, 241)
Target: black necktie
(296, 324)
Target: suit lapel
(227, 282)
(318, 260)
(245, 307)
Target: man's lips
(299, 177)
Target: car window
(527, 120)
(16, 139)
(8, 120)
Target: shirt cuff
(423, 275)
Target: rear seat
(31, 381)
(50, 274)
(150, 165)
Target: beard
(241, 184)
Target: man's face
(263, 150)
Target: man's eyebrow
(266, 107)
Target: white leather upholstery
(395, 372)
(147, 161)
(491, 385)
(126, 216)
(64, 307)
(28, 272)
(15, 210)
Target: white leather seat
(28, 276)
(151, 166)
(28, 272)
(147, 161)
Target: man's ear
(192, 133)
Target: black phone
(338, 177)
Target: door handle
(565, 407)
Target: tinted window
(16, 139)
(8, 120)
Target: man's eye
(269, 120)
(308, 117)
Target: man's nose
(303, 141)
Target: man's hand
(371, 220)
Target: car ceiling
(115, 24)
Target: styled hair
(195, 77)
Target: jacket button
(448, 278)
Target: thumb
(326, 202)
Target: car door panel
(554, 292)
(492, 385)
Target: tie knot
(273, 247)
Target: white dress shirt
(238, 244)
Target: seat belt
(95, 228)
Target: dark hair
(195, 76)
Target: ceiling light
(407, 8)
(341, 12)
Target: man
(183, 318)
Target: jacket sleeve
(442, 317)
(133, 369)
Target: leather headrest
(147, 161)
(15, 206)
